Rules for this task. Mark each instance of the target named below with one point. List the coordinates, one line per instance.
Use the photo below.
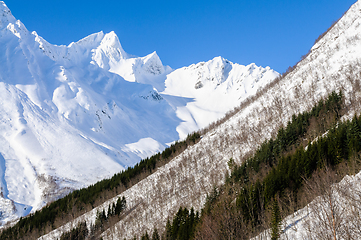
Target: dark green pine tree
(192, 221)
(155, 235)
(276, 221)
(103, 216)
(110, 211)
(354, 136)
(120, 205)
(145, 236)
(168, 230)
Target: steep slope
(73, 115)
(334, 63)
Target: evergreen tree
(354, 136)
(155, 235)
(145, 236)
(276, 221)
(104, 216)
(168, 230)
(120, 205)
(110, 211)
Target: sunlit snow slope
(212, 88)
(72, 115)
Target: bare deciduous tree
(335, 213)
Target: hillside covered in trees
(273, 183)
(242, 176)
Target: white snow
(334, 63)
(73, 115)
(314, 221)
(212, 89)
(144, 147)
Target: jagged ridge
(73, 115)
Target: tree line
(181, 228)
(265, 182)
(277, 170)
(80, 201)
(81, 232)
(274, 177)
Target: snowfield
(73, 115)
(334, 63)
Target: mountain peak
(218, 62)
(111, 41)
(5, 15)
(219, 59)
(153, 64)
(109, 51)
(153, 54)
(3, 7)
(92, 39)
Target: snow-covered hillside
(336, 214)
(73, 115)
(334, 63)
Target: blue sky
(268, 33)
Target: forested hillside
(331, 66)
(242, 175)
(276, 180)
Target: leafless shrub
(335, 213)
(353, 40)
(332, 25)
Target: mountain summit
(5, 15)
(73, 115)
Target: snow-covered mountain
(72, 115)
(333, 64)
(211, 89)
